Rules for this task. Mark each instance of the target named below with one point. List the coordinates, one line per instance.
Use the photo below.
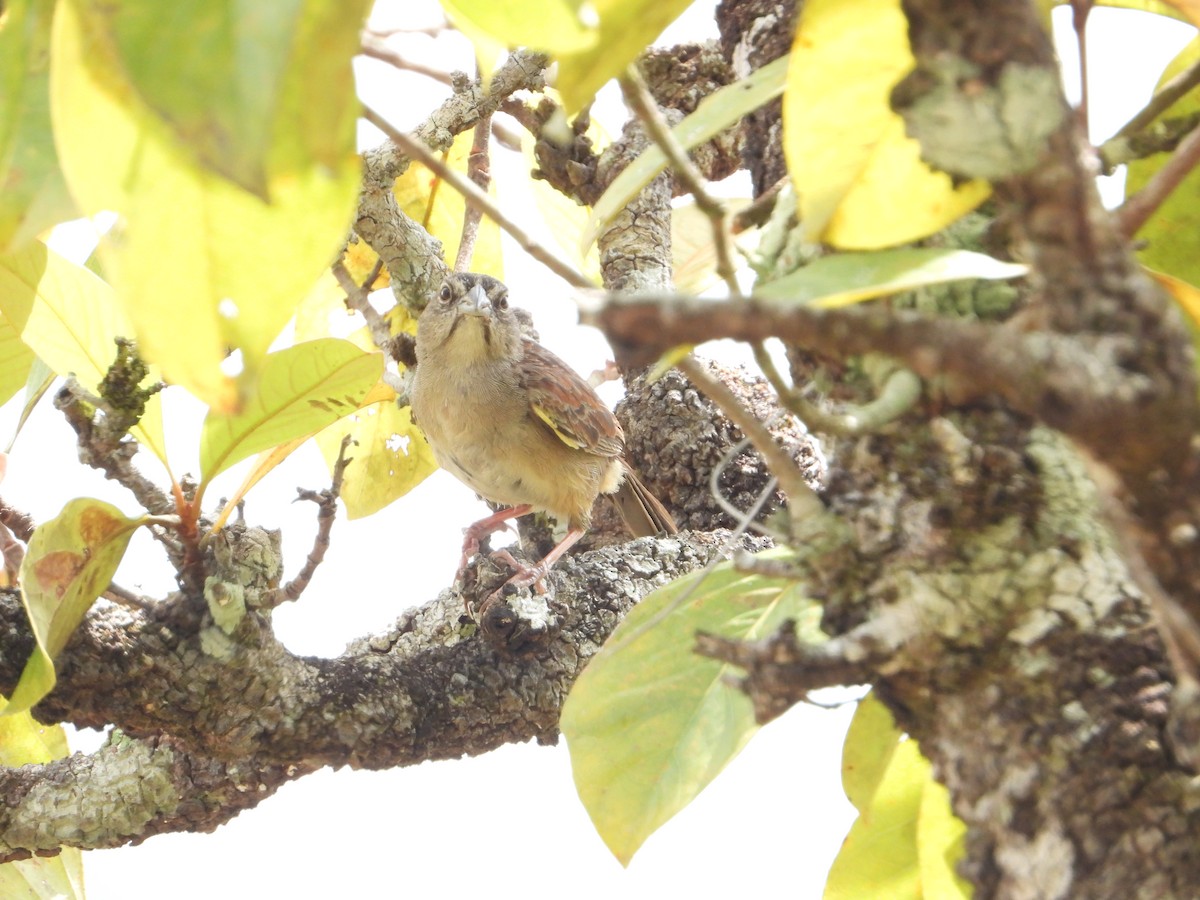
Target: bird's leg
(527, 575)
(484, 527)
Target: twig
(1080, 9)
(326, 501)
(421, 153)
(1123, 417)
(118, 594)
(744, 518)
(802, 501)
(1163, 100)
(107, 450)
(1134, 212)
(1163, 136)
(430, 30)
(637, 95)
(356, 300)
(21, 523)
(758, 212)
(374, 48)
(899, 392)
(479, 172)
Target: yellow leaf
(70, 561)
(70, 318)
(201, 265)
(440, 209)
(389, 455)
(859, 179)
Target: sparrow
(517, 425)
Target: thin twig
(638, 97)
(479, 171)
(373, 48)
(1163, 100)
(1134, 212)
(430, 30)
(21, 523)
(326, 501)
(802, 501)
(124, 597)
(899, 392)
(422, 154)
(744, 518)
(1080, 10)
(356, 300)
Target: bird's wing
(568, 405)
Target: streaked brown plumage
(516, 424)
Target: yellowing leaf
(542, 24)
(22, 741)
(1172, 233)
(213, 76)
(203, 265)
(69, 563)
(941, 838)
(715, 113)
(845, 278)
(299, 390)
(626, 28)
(70, 318)
(33, 195)
(649, 723)
(1190, 9)
(389, 455)
(440, 209)
(859, 179)
(906, 840)
(16, 360)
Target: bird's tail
(642, 512)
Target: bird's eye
(444, 293)
(501, 302)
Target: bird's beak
(476, 302)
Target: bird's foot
(475, 533)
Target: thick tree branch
(1075, 385)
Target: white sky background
(507, 823)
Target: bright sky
(507, 823)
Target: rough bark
(995, 563)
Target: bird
(518, 425)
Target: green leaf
(845, 278)
(69, 563)
(649, 723)
(1171, 236)
(859, 179)
(906, 841)
(69, 318)
(715, 113)
(202, 265)
(299, 391)
(33, 194)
